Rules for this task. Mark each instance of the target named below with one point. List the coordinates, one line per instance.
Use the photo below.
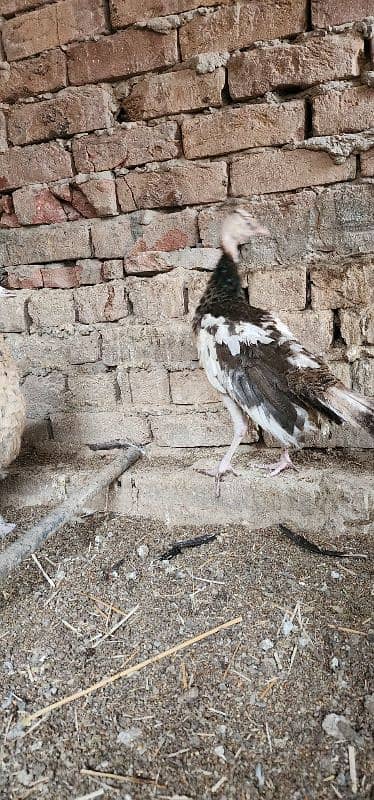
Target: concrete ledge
(329, 493)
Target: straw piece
(109, 679)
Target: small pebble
(266, 644)
(142, 551)
(334, 663)
(128, 737)
(220, 752)
(287, 627)
(335, 575)
(259, 772)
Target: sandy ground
(237, 716)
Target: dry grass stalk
(44, 573)
(115, 627)
(352, 768)
(120, 778)
(109, 679)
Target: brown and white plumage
(12, 412)
(260, 369)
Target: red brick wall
(123, 139)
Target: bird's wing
(261, 366)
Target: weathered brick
(46, 243)
(124, 196)
(144, 230)
(282, 170)
(343, 285)
(100, 193)
(158, 298)
(314, 329)
(138, 345)
(239, 128)
(89, 271)
(50, 308)
(52, 26)
(60, 276)
(44, 394)
(37, 206)
(342, 111)
(179, 184)
(239, 25)
(191, 258)
(278, 289)
(367, 162)
(171, 92)
(55, 350)
(34, 164)
(336, 12)
(345, 218)
(46, 73)
(126, 147)
(105, 302)
(315, 60)
(125, 12)
(9, 7)
(191, 387)
(363, 376)
(125, 53)
(123, 386)
(13, 313)
(99, 427)
(112, 270)
(28, 276)
(112, 238)
(70, 111)
(357, 326)
(95, 391)
(149, 386)
(3, 134)
(289, 218)
(195, 429)
(196, 285)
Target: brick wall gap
(309, 21)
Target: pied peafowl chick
(12, 410)
(258, 366)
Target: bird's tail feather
(352, 407)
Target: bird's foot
(278, 466)
(218, 475)
(281, 465)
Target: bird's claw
(218, 476)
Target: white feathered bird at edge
(257, 365)
(12, 410)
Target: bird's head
(237, 228)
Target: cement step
(330, 492)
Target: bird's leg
(240, 429)
(279, 466)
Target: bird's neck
(226, 277)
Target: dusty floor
(236, 716)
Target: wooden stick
(124, 673)
(36, 536)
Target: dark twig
(305, 544)
(178, 547)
